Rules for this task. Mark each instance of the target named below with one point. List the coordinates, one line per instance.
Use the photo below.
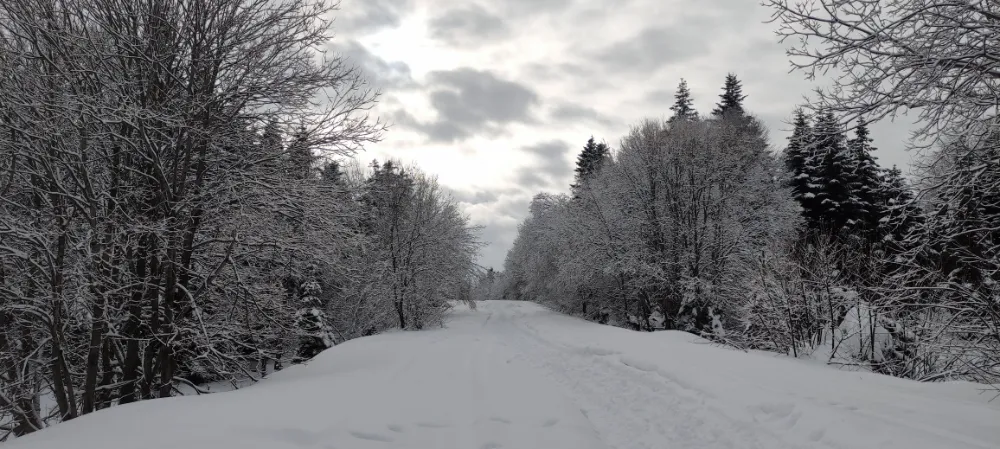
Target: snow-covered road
(514, 375)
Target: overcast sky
(497, 97)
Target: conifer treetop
(683, 107)
(731, 98)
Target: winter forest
(184, 200)
(807, 247)
(180, 204)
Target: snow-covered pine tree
(866, 183)
(589, 161)
(797, 156)
(332, 174)
(832, 167)
(300, 156)
(944, 288)
(731, 98)
(900, 211)
(683, 107)
(314, 334)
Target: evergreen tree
(300, 156)
(833, 167)
(965, 222)
(271, 138)
(797, 156)
(865, 181)
(332, 174)
(590, 160)
(272, 148)
(732, 98)
(314, 333)
(900, 214)
(683, 107)
(386, 193)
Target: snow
(860, 336)
(515, 375)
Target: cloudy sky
(496, 97)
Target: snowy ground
(513, 375)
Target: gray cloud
(661, 96)
(653, 48)
(575, 112)
(469, 102)
(531, 179)
(368, 16)
(553, 156)
(380, 72)
(468, 25)
(480, 96)
(476, 197)
(552, 168)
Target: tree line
(697, 224)
(179, 203)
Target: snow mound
(515, 375)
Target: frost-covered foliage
(311, 323)
(428, 249)
(658, 237)
(945, 295)
(167, 217)
(935, 290)
(693, 224)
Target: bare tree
(136, 192)
(936, 58)
(428, 247)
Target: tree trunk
(401, 313)
(98, 329)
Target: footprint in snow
(371, 437)
(395, 428)
(550, 422)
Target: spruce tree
(900, 214)
(966, 214)
(300, 156)
(832, 166)
(332, 174)
(683, 107)
(271, 138)
(272, 148)
(732, 97)
(314, 333)
(865, 182)
(589, 161)
(797, 156)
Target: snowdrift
(515, 375)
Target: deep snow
(514, 375)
